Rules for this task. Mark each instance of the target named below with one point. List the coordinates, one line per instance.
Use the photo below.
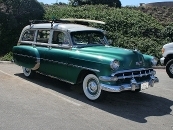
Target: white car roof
(62, 26)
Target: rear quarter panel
(25, 56)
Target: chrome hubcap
(27, 70)
(92, 87)
(171, 68)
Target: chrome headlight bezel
(154, 61)
(114, 64)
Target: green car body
(74, 59)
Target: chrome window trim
(48, 45)
(67, 35)
(23, 32)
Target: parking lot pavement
(45, 103)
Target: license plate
(144, 86)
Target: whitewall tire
(91, 87)
(28, 72)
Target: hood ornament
(139, 63)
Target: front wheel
(28, 72)
(91, 88)
(169, 68)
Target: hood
(169, 45)
(129, 59)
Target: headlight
(154, 61)
(163, 50)
(114, 64)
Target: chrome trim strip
(124, 71)
(36, 66)
(37, 60)
(72, 65)
(55, 77)
(27, 56)
(62, 63)
(53, 61)
(95, 70)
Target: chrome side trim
(95, 70)
(26, 56)
(72, 65)
(37, 60)
(62, 63)
(55, 77)
(52, 61)
(37, 65)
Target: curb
(159, 67)
(10, 62)
(6, 62)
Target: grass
(7, 57)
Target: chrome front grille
(134, 73)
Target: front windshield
(91, 38)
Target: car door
(56, 55)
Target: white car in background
(167, 59)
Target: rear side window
(28, 35)
(60, 38)
(43, 36)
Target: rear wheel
(169, 68)
(91, 88)
(28, 72)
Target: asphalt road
(48, 104)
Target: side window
(59, 38)
(28, 35)
(43, 36)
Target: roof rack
(48, 21)
(70, 20)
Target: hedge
(128, 28)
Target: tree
(16, 15)
(110, 3)
(60, 3)
(168, 32)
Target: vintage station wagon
(79, 54)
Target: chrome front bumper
(162, 60)
(131, 86)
